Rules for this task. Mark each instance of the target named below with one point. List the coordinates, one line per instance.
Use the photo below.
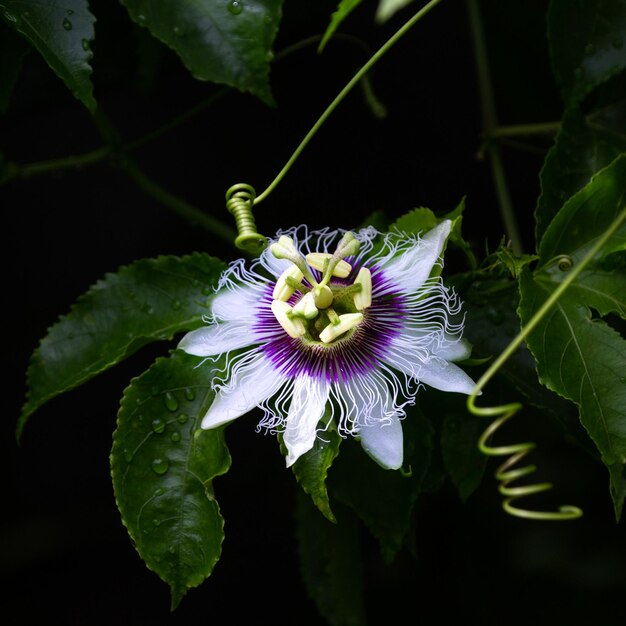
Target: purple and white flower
(334, 327)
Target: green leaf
(344, 8)
(459, 444)
(12, 50)
(150, 300)
(415, 221)
(162, 468)
(228, 42)
(584, 145)
(587, 40)
(384, 499)
(312, 468)
(330, 559)
(579, 356)
(61, 30)
(491, 322)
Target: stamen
(363, 297)
(323, 297)
(283, 313)
(306, 307)
(348, 246)
(323, 260)
(347, 322)
(283, 290)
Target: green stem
(344, 92)
(538, 316)
(174, 203)
(41, 167)
(490, 123)
(523, 130)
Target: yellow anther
(284, 248)
(282, 291)
(363, 298)
(347, 322)
(306, 307)
(319, 261)
(323, 297)
(293, 326)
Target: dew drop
(146, 308)
(85, 44)
(128, 455)
(235, 7)
(70, 12)
(156, 522)
(176, 304)
(618, 43)
(141, 18)
(160, 466)
(158, 425)
(183, 418)
(67, 24)
(175, 436)
(177, 30)
(171, 403)
(171, 549)
(159, 492)
(190, 394)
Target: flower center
(325, 311)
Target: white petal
(305, 411)
(249, 385)
(236, 303)
(383, 441)
(440, 344)
(217, 339)
(272, 264)
(410, 269)
(445, 376)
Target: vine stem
(490, 124)
(344, 92)
(537, 317)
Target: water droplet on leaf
(85, 44)
(156, 522)
(70, 12)
(177, 30)
(160, 466)
(159, 492)
(171, 403)
(176, 304)
(158, 425)
(10, 17)
(128, 455)
(183, 418)
(235, 7)
(175, 436)
(141, 18)
(190, 394)
(67, 24)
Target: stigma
(320, 311)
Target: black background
(66, 557)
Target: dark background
(66, 557)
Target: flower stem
(490, 124)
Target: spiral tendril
(564, 262)
(506, 473)
(239, 201)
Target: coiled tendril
(239, 201)
(503, 413)
(506, 473)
